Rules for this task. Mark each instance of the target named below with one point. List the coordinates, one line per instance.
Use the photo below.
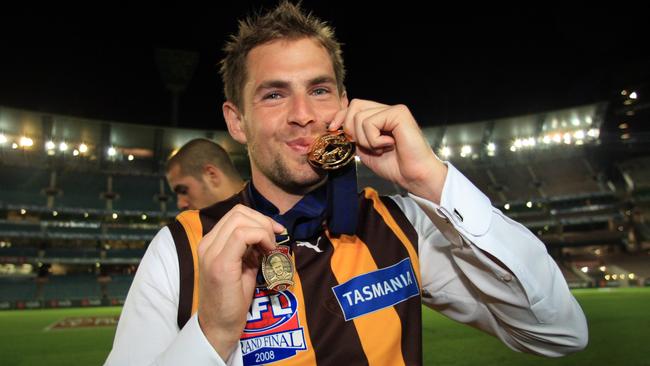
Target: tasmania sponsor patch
(272, 331)
(376, 290)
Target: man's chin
(305, 182)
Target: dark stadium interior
(558, 143)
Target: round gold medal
(331, 151)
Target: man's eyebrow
(272, 84)
(322, 80)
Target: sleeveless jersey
(355, 301)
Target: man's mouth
(301, 145)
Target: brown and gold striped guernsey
(384, 237)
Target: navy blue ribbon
(334, 203)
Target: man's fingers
(238, 215)
(240, 240)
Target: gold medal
(331, 151)
(277, 269)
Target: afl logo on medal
(277, 269)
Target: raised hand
(390, 143)
(229, 257)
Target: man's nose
(302, 111)
(182, 203)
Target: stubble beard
(278, 172)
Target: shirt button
(506, 277)
(458, 215)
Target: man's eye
(320, 91)
(180, 190)
(273, 95)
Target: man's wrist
(223, 342)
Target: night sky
(458, 64)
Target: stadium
(81, 199)
(82, 194)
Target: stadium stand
(75, 222)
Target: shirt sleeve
(147, 332)
(481, 268)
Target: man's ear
(344, 99)
(235, 121)
(212, 174)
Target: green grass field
(619, 322)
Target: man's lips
(301, 145)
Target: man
(278, 266)
(355, 300)
(201, 174)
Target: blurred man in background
(201, 174)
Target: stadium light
(85, 215)
(75, 152)
(357, 159)
(3, 139)
(83, 148)
(50, 145)
(607, 277)
(506, 206)
(63, 146)
(144, 217)
(130, 157)
(529, 204)
(465, 151)
(26, 142)
(633, 95)
(575, 121)
(55, 213)
(114, 215)
(589, 120)
(112, 151)
(614, 277)
(557, 138)
(584, 269)
(593, 132)
(579, 134)
(23, 211)
(445, 151)
(14, 146)
(631, 276)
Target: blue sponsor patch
(376, 290)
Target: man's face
(289, 98)
(191, 193)
(277, 267)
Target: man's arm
(481, 268)
(147, 332)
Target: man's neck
(279, 197)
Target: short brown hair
(286, 21)
(197, 153)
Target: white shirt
(477, 267)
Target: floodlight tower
(176, 68)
